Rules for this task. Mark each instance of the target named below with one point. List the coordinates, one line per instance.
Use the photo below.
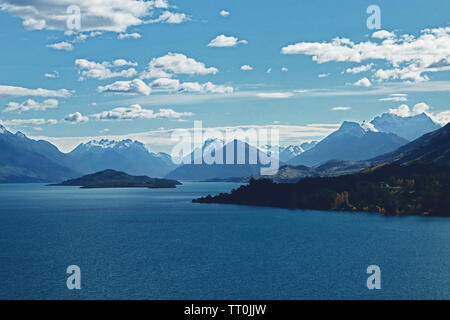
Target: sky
(141, 69)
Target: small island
(117, 179)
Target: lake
(156, 244)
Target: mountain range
(409, 128)
(126, 155)
(24, 160)
(350, 142)
(28, 160)
(433, 146)
(202, 170)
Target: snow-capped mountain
(3, 130)
(285, 153)
(351, 141)
(126, 155)
(209, 145)
(289, 152)
(409, 128)
(209, 171)
(109, 144)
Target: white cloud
(27, 122)
(53, 75)
(168, 84)
(405, 111)
(175, 63)
(30, 104)
(32, 24)
(76, 117)
(246, 67)
(170, 17)
(383, 34)
(408, 57)
(65, 46)
(224, 13)
(13, 91)
(395, 97)
(363, 82)
(133, 35)
(441, 117)
(226, 41)
(360, 69)
(135, 86)
(81, 37)
(284, 69)
(123, 63)
(207, 87)
(101, 71)
(274, 95)
(106, 15)
(340, 108)
(323, 75)
(137, 112)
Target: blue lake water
(156, 244)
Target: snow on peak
(294, 150)
(103, 143)
(112, 144)
(351, 128)
(368, 127)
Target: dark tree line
(417, 188)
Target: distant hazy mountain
(308, 145)
(284, 153)
(167, 159)
(350, 142)
(204, 171)
(26, 160)
(409, 128)
(289, 152)
(126, 155)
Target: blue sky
(292, 99)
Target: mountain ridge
(410, 128)
(350, 142)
